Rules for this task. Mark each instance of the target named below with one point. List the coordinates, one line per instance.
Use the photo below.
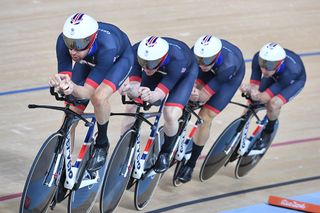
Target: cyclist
(162, 66)
(222, 69)
(278, 75)
(103, 57)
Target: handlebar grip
(32, 106)
(61, 97)
(246, 96)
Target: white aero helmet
(79, 31)
(206, 49)
(271, 56)
(152, 51)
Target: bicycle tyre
(246, 163)
(36, 197)
(115, 183)
(146, 186)
(216, 157)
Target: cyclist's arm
(255, 78)
(82, 92)
(64, 60)
(262, 97)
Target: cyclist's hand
(66, 85)
(245, 88)
(125, 88)
(54, 80)
(255, 94)
(194, 94)
(204, 95)
(144, 93)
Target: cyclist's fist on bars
(62, 83)
(125, 88)
(255, 94)
(66, 86)
(54, 80)
(245, 88)
(144, 93)
(194, 94)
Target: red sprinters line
(296, 141)
(9, 197)
(12, 196)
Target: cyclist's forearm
(264, 97)
(81, 92)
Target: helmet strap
(163, 61)
(93, 38)
(92, 45)
(218, 60)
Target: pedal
(92, 174)
(257, 152)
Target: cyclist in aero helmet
(103, 58)
(162, 66)
(79, 32)
(278, 75)
(222, 69)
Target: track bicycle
(237, 142)
(128, 165)
(53, 176)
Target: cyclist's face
(78, 55)
(267, 73)
(149, 72)
(206, 68)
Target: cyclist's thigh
(120, 70)
(291, 91)
(224, 95)
(180, 94)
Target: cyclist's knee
(101, 95)
(172, 114)
(207, 115)
(274, 104)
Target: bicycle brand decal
(68, 156)
(244, 135)
(138, 164)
